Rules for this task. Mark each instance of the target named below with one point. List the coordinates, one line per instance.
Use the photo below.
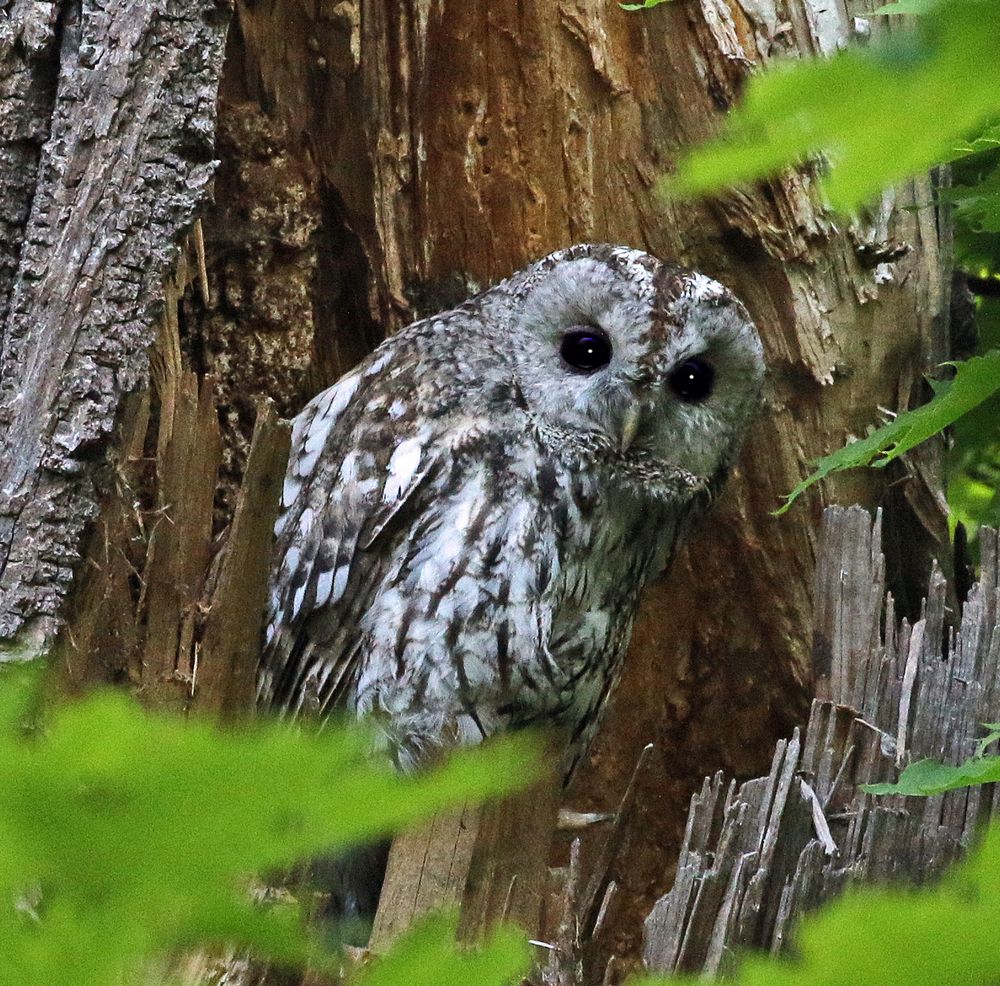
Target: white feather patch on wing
(306, 521)
(290, 490)
(305, 462)
(349, 467)
(340, 582)
(300, 594)
(340, 397)
(291, 560)
(324, 586)
(379, 365)
(279, 524)
(403, 465)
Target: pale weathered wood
(427, 871)
(128, 100)
(225, 680)
(180, 542)
(164, 600)
(507, 876)
(755, 858)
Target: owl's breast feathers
(442, 568)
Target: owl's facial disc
(616, 351)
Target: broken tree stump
(758, 856)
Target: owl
(469, 517)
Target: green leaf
(927, 777)
(645, 5)
(977, 205)
(914, 7)
(989, 739)
(426, 956)
(975, 380)
(139, 833)
(878, 114)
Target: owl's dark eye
(692, 380)
(585, 349)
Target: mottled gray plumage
(468, 522)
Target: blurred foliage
(428, 957)
(126, 836)
(898, 937)
(934, 84)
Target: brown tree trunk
(379, 161)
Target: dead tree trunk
(757, 857)
(378, 161)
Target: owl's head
(633, 361)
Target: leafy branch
(975, 381)
(933, 85)
(125, 836)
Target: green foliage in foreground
(878, 113)
(975, 381)
(927, 777)
(645, 5)
(428, 957)
(879, 937)
(125, 836)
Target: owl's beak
(630, 425)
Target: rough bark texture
(109, 122)
(756, 858)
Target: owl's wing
(361, 451)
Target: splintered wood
(162, 602)
(492, 862)
(757, 856)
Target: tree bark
(757, 858)
(107, 151)
(379, 161)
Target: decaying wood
(491, 862)
(123, 94)
(162, 602)
(757, 856)
(226, 681)
(508, 873)
(427, 871)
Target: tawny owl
(469, 517)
